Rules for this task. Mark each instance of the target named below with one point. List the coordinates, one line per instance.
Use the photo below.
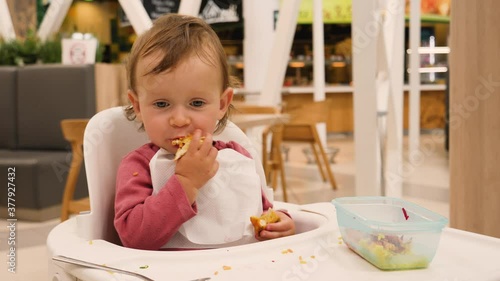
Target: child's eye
(197, 103)
(161, 104)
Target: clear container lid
(390, 214)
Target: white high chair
(91, 236)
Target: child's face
(175, 103)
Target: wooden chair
(302, 128)
(272, 159)
(73, 130)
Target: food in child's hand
(259, 223)
(183, 144)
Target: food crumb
(225, 267)
(313, 257)
(91, 242)
(108, 271)
(215, 273)
(135, 173)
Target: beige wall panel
(111, 85)
(475, 116)
(23, 14)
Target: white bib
(225, 203)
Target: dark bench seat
(33, 101)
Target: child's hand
(285, 227)
(198, 165)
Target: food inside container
(390, 233)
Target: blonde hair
(177, 37)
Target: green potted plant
(9, 52)
(51, 51)
(30, 48)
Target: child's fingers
(284, 227)
(196, 141)
(265, 234)
(277, 226)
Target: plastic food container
(390, 233)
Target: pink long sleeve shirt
(148, 222)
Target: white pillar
(365, 28)
(136, 13)
(190, 7)
(276, 67)
(319, 62)
(53, 18)
(414, 100)
(7, 31)
(318, 51)
(259, 37)
(394, 42)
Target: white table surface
(460, 256)
(245, 121)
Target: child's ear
(225, 100)
(134, 100)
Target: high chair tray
(317, 254)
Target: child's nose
(179, 118)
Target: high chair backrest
(109, 136)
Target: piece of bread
(183, 144)
(259, 223)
